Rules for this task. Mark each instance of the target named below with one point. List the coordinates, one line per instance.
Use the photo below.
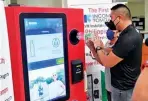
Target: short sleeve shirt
(128, 47)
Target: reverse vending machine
(47, 57)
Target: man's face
(115, 18)
(54, 76)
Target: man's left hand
(90, 45)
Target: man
(125, 57)
(141, 87)
(56, 88)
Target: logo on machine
(55, 42)
(87, 18)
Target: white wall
(137, 8)
(41, 3)
(6, 2)
(86, 2)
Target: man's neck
(125, 25)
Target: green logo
(60, 61)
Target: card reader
(77, 71)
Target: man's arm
(120, 50)
(140, 92)
(96, 56)
(106, 51)
(108, 60)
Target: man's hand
(90, 45)
(97, 41)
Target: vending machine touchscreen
(44, 54)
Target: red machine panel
(74, 19)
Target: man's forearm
(107, 50)
(96, 56)
(103, 58)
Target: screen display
(45, 58)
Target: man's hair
(124, 10)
